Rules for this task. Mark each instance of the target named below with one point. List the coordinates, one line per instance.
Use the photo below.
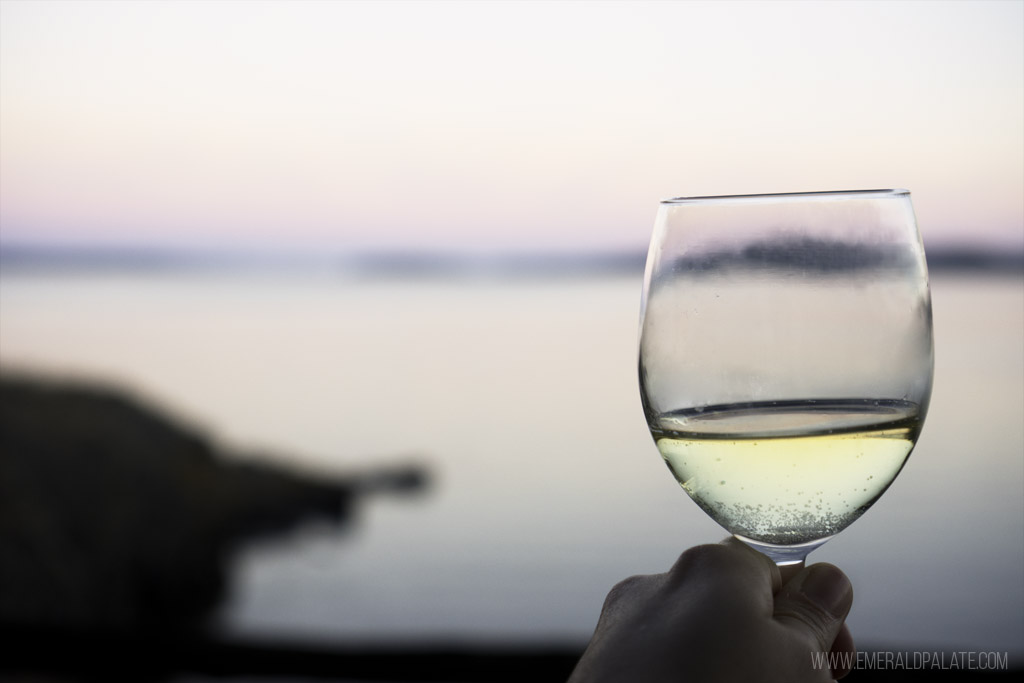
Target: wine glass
(786, 357)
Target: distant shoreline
(412, 263)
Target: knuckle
(710, 555)
(624, 589)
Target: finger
(726, 573)
(815, 603)
(789, 571)
(778, 574)
(628, 597)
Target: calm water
(521, 396)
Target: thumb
(815, 604)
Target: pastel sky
(485, 125)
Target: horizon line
(411, 261)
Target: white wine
(788, 472)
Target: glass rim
(896, 192)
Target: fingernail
(828, 587)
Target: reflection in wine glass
(786, 357)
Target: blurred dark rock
(112, 516)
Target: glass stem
(784, 555)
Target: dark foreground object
(113, 517)
(110, 656)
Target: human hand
(722, 613)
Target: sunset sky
(488, 125)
